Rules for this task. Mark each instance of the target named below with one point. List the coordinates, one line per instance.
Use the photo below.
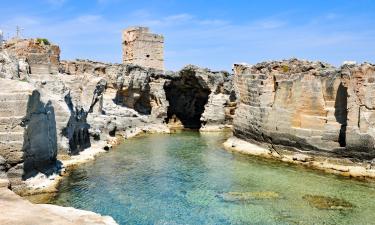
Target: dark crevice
(341, 112)
(187, 97)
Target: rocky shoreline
(338, 166)
(55, 114)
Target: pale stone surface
(9, 67)
(246, 147)
(341, 166)
(22, 212)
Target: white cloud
(211, 42)
(270, 24)
(213, 22)
(88, 18)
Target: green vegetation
(285, 68)
(43, 41)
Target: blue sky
(213, 34)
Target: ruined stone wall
(41, 56)
(301, 105)
(140, 47)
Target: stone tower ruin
(143, 48)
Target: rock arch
(187, 95)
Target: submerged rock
(249, 196)
(325, 202)
(200, 197)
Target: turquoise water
(185, 178)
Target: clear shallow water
(180, 179)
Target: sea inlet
(188, 178)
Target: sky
(213, 34)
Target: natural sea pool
(188, 178)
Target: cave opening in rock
(341, 112)
(187, 96)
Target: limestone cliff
(42, 114)
(309, 106)
(196, 97)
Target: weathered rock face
(28, 140)
(133, 98)
(12, 68)
(141, 89)
(304, 105)
(198, 97)
(42, 115)
(359, 80)
(193, 95)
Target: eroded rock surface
(311, 106)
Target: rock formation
(28, 137)
(52, 108)
(310, 106)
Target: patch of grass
(285, 68)
(44, 41)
